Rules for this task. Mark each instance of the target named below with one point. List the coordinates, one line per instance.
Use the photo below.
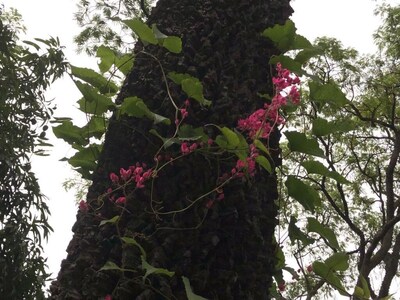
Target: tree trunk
(226, 251)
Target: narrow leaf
(131, 241)
(153, 270)
(303, 193)
(144, 32)
(300, 143)
(110, 266)
(327, 93)
(296, 234)
(113, 220)
(326, 273)
(338, 261)
(95, 79)
(173, 44)
(264, 162)
(107, 58)
(189, 292)
(314, 225)
(316, 167)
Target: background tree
(226, 249)
(344, 230)
(26, 70)
(100, 22)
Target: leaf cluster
(26, 69)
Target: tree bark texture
(227, 252)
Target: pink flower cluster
(136, 173)
(183, 111)
(286, 82)
(83, 206)
(258, 124)
(248, 165)
(187, 148)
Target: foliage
(342, 149)
(101, 24)
(340, 209)
(242, 151)
(26, 70)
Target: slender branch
(391, 265)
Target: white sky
(351, 21)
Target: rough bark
(231, 254)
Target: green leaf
(300, 42)
(93, 102)
(327, 273)
(190, 85)
(314, 225)
(296, 234)
(167, 142)
(144, 32)
(189, 292)
(107, 58)
(231, 136)
(153, 270)
(113, 220)
(260, 145)
(131, 241)
(300, 143)
(327, 93)
(303, 193)
(285, 37)
(322, 127)
(70, 133)
(173, 44)
(110, 266)
(316, 167)
(304, 55)
(363, 292)
(96, 127)
(178, 77)
(339, 261)
(86, 158)
(288, 63)
(95, 79)
(188, 133)
(97, 107)
(264, 162)
(125, 63)
(282, 35)
(279, 257)
(194, 89)
(135, 107)
(157, 33)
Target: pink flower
(282, 286)
(220, 196)
(184, 113)
(294, 95)
(186, 148)
(187, 103)
(108, 297)
(114, 178)
(125, 174)
(121, 200)
(193, 147)
(83, 206)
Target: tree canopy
(26, 70)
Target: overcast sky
(351, 21)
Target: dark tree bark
(230, 253)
